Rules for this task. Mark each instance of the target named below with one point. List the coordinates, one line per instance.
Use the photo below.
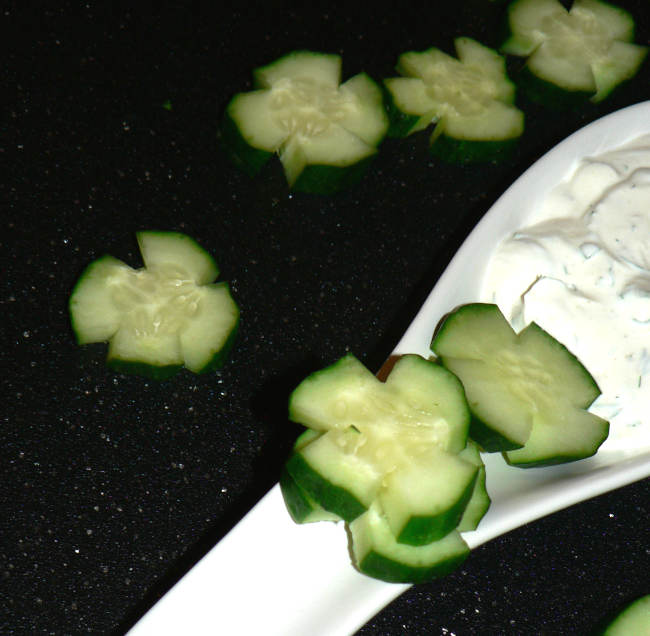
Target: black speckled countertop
(111, 486)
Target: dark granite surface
(111, 485)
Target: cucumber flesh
(319, 128)
(409, 405)
(634, 620)
(587, 49)
(159, 249)
(161, 317)
(420, 504)
(94, 315)
(323, 68)
(469, 98)
(523, 389)
(396, 442)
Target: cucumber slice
(324, 132)
(376, 553)
(469, 99)
(395, 443)
(302, 508)
(347, 394)
(161, 317)
(525, 390)
(320, 400)
(634, 620)
(425, 499)
(334, 475)
(479, 502)
(587, 50)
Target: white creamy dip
(581, 271)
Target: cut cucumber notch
(527, 392)
(585, 52)
(324, 132)
(390, 458)
(161, 317)
(469, 99)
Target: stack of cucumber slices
(168, 314)
(393, 460)
(399, 461)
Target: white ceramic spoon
(271, 576)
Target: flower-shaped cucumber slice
(587, 50)
(324, 132)
(470, 99)
(161, 317)
(527, 392)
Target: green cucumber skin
(490, 440)
(466, 151)
(381, 567)
(479, 502)
(297, 503)
(423, 530)
(153, 372)
(331, 497)
(477, 506)
(328, 180)
(300, 506)
(549, 95)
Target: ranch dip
(581, 271)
